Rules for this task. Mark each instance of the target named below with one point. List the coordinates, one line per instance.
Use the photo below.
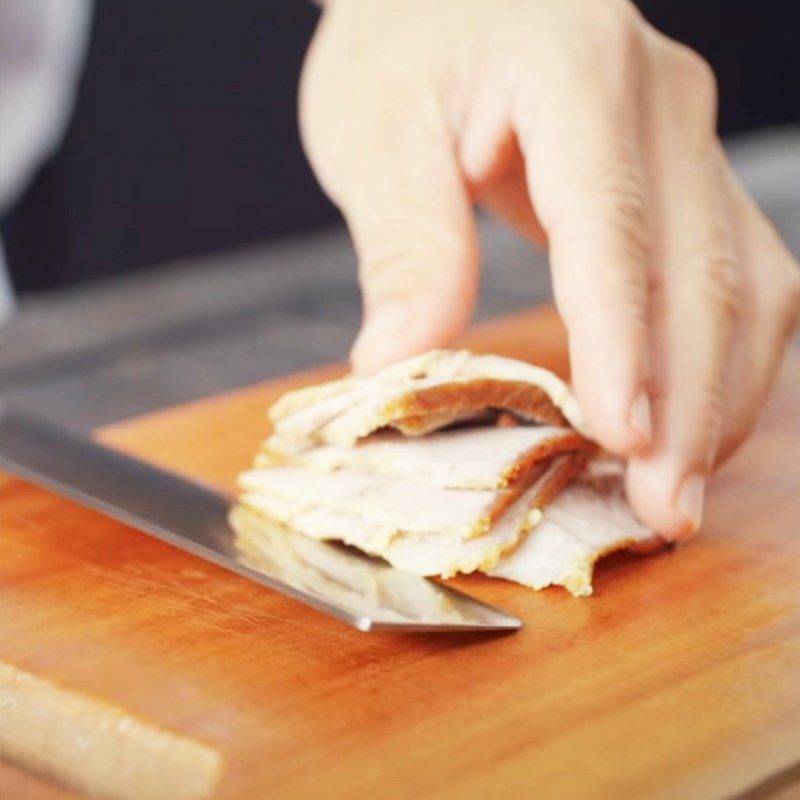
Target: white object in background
(6, 292)
(42, 44)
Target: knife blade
(365, 592)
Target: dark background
(184, 138)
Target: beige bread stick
(95, 747)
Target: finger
(585, 178)
(770, 312)
(412, 224)
(696, 304)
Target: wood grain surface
(679, 678)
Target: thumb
(412, 225)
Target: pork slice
(587, 520)
(443, 366)
(294, 402)
(298, 429)
(436, 550)
(461, 458)
(417, 396)
(433, 554)
(388, 504)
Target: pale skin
(593, 134)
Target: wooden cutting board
(679, 678)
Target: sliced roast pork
(427, 530)
(485, 457)
(587, 520)
(449, 462)
(417, 396)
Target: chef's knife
(365, 592)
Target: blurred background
(175, 243)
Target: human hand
(588, 130)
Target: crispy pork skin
(417, 396)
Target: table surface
(679, 678)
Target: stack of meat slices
(449, 462)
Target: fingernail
(383, 324)
(690, 500)
(640, 418)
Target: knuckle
(616, 209)
(718, 278)
(693, 74)
(693, 81)
(692, 70)
(383, 273)
(624, 306)
(613, 23)
(622, 199)
(387, 263)
(783, 305)
(614, 29)
(377, 262)
(634, 300)
(723, 288)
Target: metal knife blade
(365, 592)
